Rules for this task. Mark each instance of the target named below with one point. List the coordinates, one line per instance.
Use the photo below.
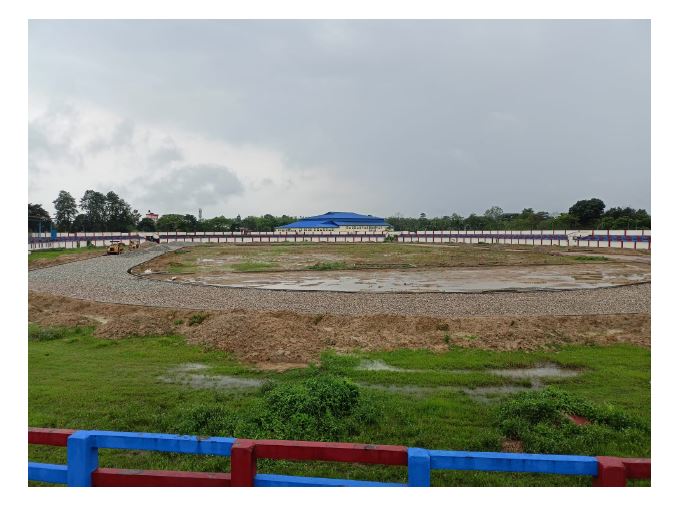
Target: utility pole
(199, 214)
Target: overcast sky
(302, 117)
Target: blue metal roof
(331, 220)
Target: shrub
(322, 408)
(541, 421)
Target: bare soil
(283, 339)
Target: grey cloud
(434, 116)
(122, 136)
(190, 187)
(165, 154)
(50, 138)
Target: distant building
(150, 215)
(337, 222)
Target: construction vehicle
(134, 244)
(117, 247)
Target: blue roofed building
(337, 222)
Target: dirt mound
(285, 339)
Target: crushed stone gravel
(106, 279)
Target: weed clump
(197, 319)
(541, 420)
(328, 265)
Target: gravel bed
(106, 279)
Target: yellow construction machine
(117, 247)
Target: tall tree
(38, 218)
(65, 210)
(119, 214)
(94, 206)
(588, 212)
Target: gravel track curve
(106, 279)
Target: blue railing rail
(82, 468)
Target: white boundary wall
(627, 239)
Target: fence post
(243, 463)
(82, 459)
(611, 472)
(418, 468)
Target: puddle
(547, 370)
(541, 277)
(185, 374)
(376, 365)
(486, 394)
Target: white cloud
(78, 147)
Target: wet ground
(196, 376)
(531, 378)
(541, 277)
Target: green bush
(322, 408)
(541, 421)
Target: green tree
(38, 218)
(588, 212)
(147, 224)
(119, 215)
(172, 222)
(93, 204)
(65, 210)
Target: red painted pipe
(107, 477)
(49, 436)
(245, 452)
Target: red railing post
(611, 472)
(243, 463)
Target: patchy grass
(252, 266)
(45, 257)
(328, 265)
(197, 318)
(590, 258)
(335, 256)
(79, 381)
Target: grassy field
(203, 259)
(79, 381)
(50, 256)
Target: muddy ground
(282, 339)
(224, 258)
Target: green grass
(252, 266)
(79, 381)
(49, 254)
(328, 265)
(590, 258)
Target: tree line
(584, 214)
(96, 211)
